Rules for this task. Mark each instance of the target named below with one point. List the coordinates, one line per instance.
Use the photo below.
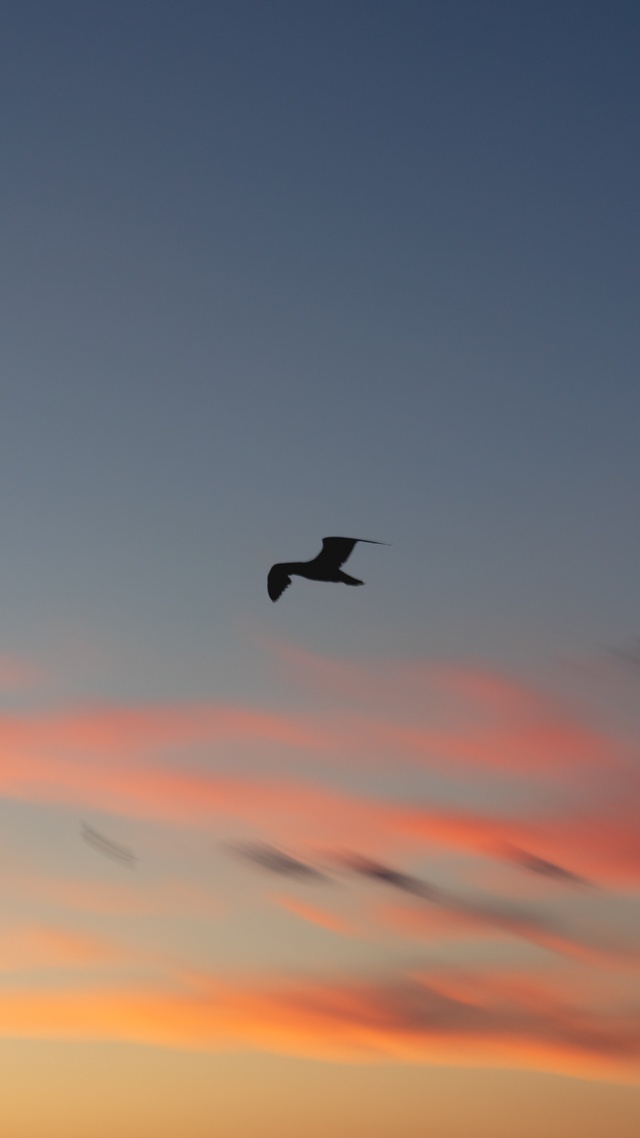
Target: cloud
(148, 762)
(171, 897)
(313, 914)
(464, 916)
(467, 723)
(28, 947)
(123, 761)
(404, 1018)
(600, 838)
(432, 924)
(542, 867)
(437, 712)
(105, 731)
(277, 861)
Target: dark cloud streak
(543, 867)
(107, 847)
(277, 861)
(516, 920)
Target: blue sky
(277, 271)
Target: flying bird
(325, 567)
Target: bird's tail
(347, 580)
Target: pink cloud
(134, 761)
(117, 760)
(598, 840)
(436, 712)
(28, 947)
(125, 732)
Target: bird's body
(325, 567)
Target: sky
(362, 861)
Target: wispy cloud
(176, 765)
(26, 947)
(314, 914)
(464, 916)
(472, 715)
(277, 861)
(123, 761)
(171, 897)
(542, 867)
(402, 1018)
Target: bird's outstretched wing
(277, 581)
(336, 550)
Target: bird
(325, 567)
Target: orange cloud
(405, 1019)
(313, 914)
(552, 988)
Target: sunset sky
(364, 862)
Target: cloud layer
(178, 767)
(409, 1018)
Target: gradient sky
(272, 271)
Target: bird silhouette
(325, 567)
